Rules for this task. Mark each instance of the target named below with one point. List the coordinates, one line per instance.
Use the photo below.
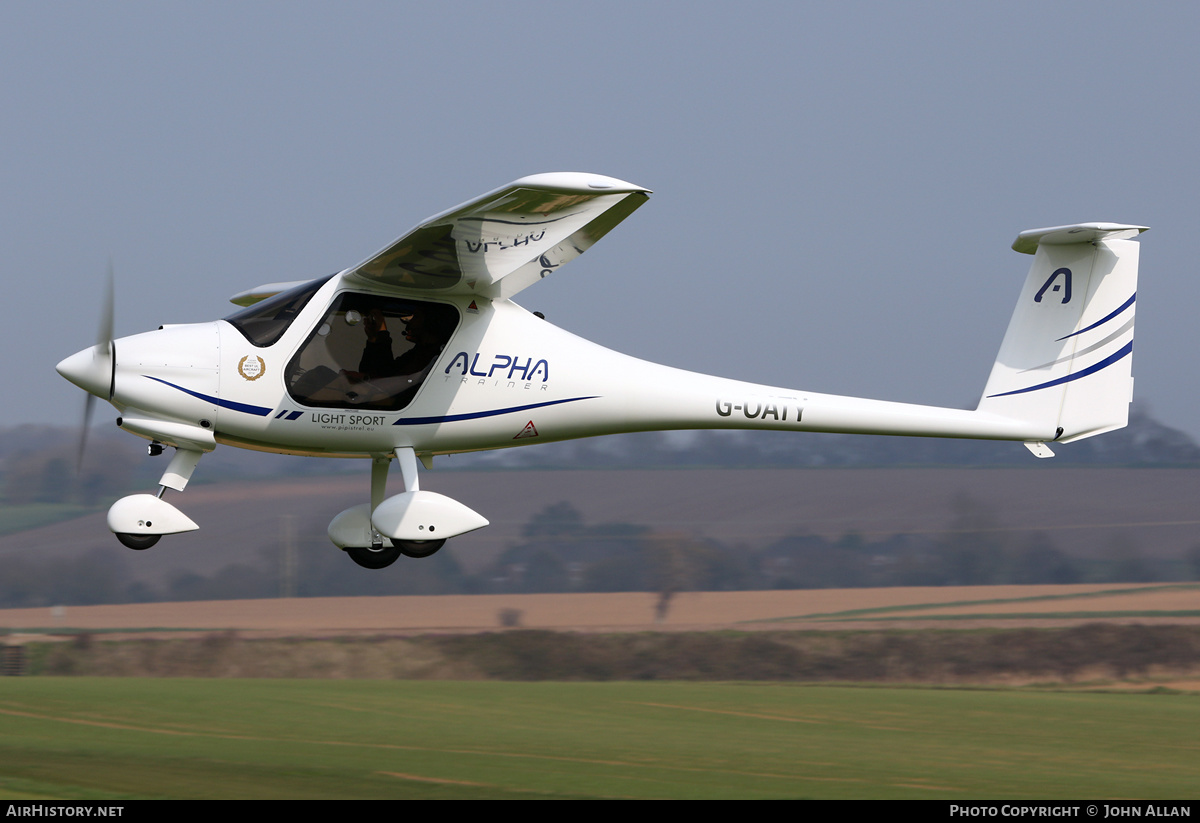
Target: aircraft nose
(90, 370)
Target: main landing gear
(370, 557)
(375, 535)
(414, 523)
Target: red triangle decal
(529, 431)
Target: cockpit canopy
(265, 322)
(370, 352)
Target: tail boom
(1063, 372)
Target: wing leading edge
(507, 239)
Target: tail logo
(1064, 287)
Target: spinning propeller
(94, 369)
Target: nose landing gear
(139, 520)
(138, 542)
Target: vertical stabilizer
(1067, 356)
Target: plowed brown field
(1008, 606)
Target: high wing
(507, 239)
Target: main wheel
(138, 542)
(419, 548)
(370, 558)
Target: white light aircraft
(420, 351)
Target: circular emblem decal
(252, 369)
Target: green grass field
(68, 738)
(31, 515)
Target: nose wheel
(138, 542)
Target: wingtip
(574, 181)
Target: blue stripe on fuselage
(261, 411)
(453, 418)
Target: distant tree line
(40, 464)
(559, 552)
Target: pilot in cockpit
(377, 360)
(382, 380)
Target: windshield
(265, 322)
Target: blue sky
(836, 184)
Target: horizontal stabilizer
(1027, 242)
